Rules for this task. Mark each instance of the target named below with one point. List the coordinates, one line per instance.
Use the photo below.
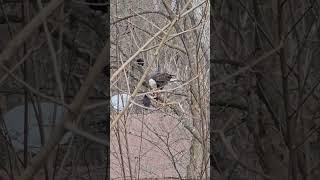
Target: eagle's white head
(152, 83)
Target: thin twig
(73, 128)
(25, 33)
(69, 116)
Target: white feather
(152, 83)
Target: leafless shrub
(265, 86)
(171, 37)
(54, 53)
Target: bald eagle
(159, 80)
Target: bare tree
(265, 88)
(171, 37)
(46, 59)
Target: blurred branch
(73, 128)
(244, 69)
(20, 38)
(69, 116)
